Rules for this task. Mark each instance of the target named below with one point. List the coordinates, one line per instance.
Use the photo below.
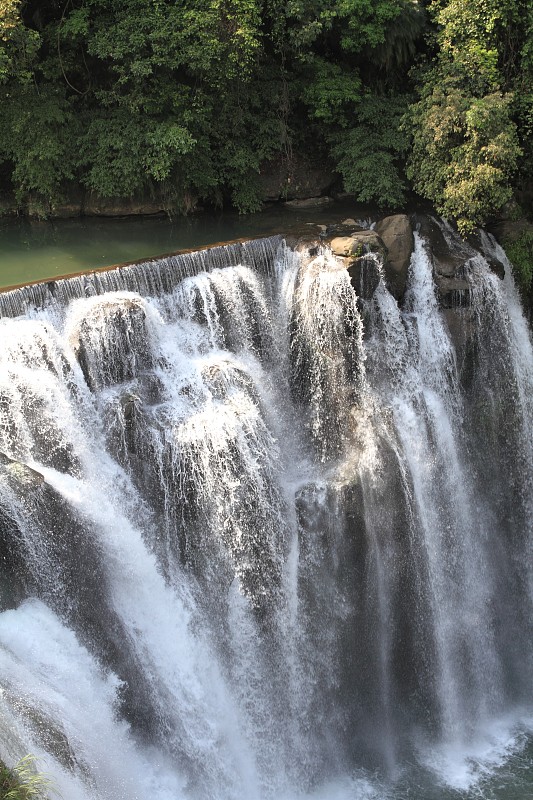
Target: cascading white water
(255, 544)
(453, 538)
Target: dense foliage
(465, 137)
(192, 98)
(520, 252)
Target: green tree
(35, 113)
(352, 63)
(18, 45)
(465, 143)
(522, 82)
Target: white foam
(467, 762)
(55, 692)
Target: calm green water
(32, 251)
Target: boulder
(397, 236)
(343, 246)
(359, 243)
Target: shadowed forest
(195, 99)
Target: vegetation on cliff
(193, 98)
(23, 782)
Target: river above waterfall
(37, 250)
(265, 536)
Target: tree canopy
(191, 98)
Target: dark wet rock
(449, 257)
(461, 326)
(397, 236)
(445, 261)
(478, 241)
(307, 245)
(122, 351)
(131, 404)
(365, 275)
(346, 228)
(19, 474)
(12, 568)
(453, 292)
(18, 484)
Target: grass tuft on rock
(24, 781)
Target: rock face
(309, 202)
(449, 259)
(298, 180)
(452, 260)
(476, 239)
(119, 351)
(25, 484)
(79, 203)
(95, 206)
(397, 236)
(453, 292)
(392, 239)
(385, 252)
(448, 264)
(295, 179)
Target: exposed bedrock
(451, 259)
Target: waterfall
(262, 538)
